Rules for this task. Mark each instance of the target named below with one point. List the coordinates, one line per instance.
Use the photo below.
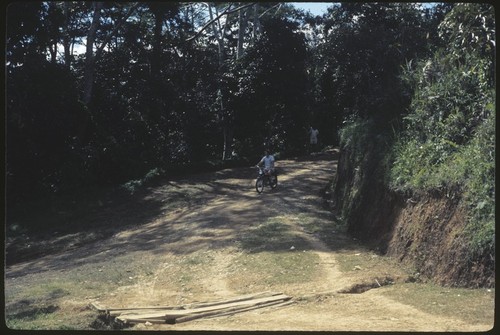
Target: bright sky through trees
(316, 8)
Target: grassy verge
(273, 255)
(272, 270)
(272, 235)
(61, 300)
(474, 306)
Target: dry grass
(474, 306)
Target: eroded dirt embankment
(429, 234)
(426, 233)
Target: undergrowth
(366, 147)
(445, 147)
(448, 144)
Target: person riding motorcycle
(268, 162)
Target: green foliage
(42, 116)
(470, 26)
(364, 145)
(133, 185)
(359, 62)
(478, 164)
(448, 142)
(445, 141)
(355, 136)
(449, 98)
(158, 98)
(446, 115)
(270, 103)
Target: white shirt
(314, 135)
(268, 161)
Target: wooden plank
(188, 306)
(212, 314)
(230, 311)
(139, 320)
(143, 308)
(138, 311)
(244, 303)
(169, 314)
(273, 304)
(98, 307)
(235, 299)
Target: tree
(41, 120)
(25, 35)
(91, 58)
(360, 61)
(41, 106)
(471, 26)
(271, 90)
(221, 24)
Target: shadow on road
(205, 211)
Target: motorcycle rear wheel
(273, 181)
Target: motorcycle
(265, 178)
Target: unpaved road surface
(226, 240)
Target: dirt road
(223, 240)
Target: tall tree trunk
(90, 61)
(242, 23)
(155, 69)
(216, 29)
(228, 126)
(66, 37)
(219, 34)
(256, 21)
(156, 52)
(89, 71)
(88, 80)
(53, 52)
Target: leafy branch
(226, 11)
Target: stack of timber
(179, 314)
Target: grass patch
(267, 269)
(188, 268)
(61, 300)
(369, 264)
(43, 308)
(327, 228)
(199, 258)
(272, 235)
(273, 256)
(325, 225)
(475, 306)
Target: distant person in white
(313, 137)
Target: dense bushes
(360, 196)
(40, 133)
(448, 141)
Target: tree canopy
(105, 92)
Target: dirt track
(203, 251)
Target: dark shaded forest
(107, 92)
